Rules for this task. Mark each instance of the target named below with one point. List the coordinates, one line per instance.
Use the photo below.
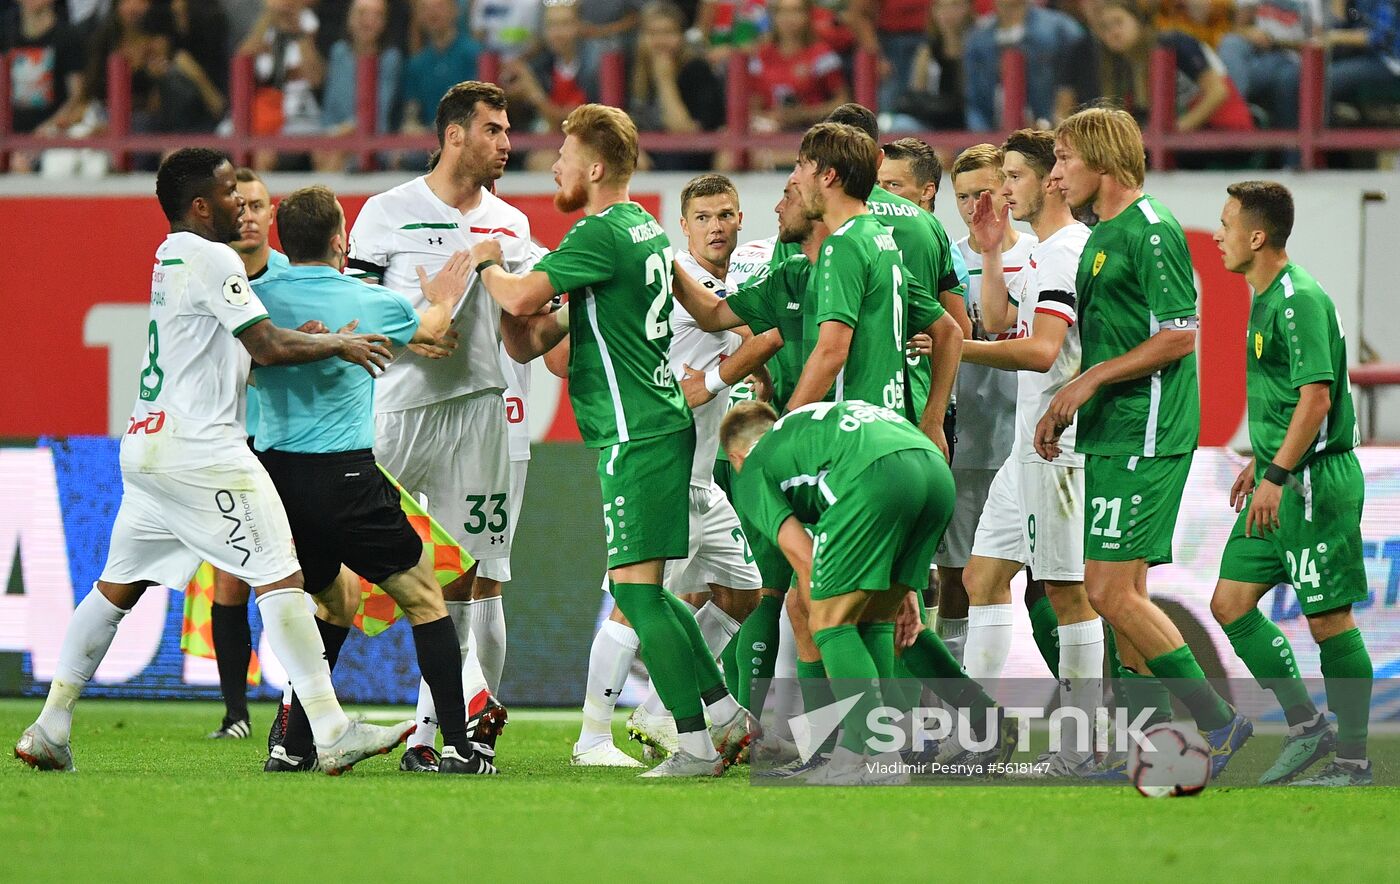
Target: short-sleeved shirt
(432, 71)
(189, 410)
(1048, 287)
(617, 268)
(781, 299)
(326, 406)
(1296, 338)
(276, 263)
(1135, 279)
(809, 77)
(750, 261)
(862, 282)
(39, 70)
(409, 227)
(701, 350)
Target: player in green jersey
(615, 263)
(1299, 499)
(1138, 407)
(854, 499)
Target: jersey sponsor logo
(236, 290)
(1099, 259)
(491, 231)
(434, 240)
(515, 410)
(236, 538)
(150, 426)
(1258, 346)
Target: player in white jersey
(986, 398)
(440, 424)
(193, 491)
(718, 577)
(750, 262)
(1035, 510)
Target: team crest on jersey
(1098, 262)
(236, 290)
(1258, 346)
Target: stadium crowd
(938, 62)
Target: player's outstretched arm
(826, 361)
(271, 345)
(947, 349)
(518, 294)
(709, 310)
(701, 387)
(529, 337)
(796, 545)
(442, 293)
(1035, 353)
(955, 305)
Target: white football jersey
(408, 227)
(750, 261)
(987, 396)
(702, 351)
(517, 392)
(1048, 286)
(190, 406)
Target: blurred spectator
(736, 24)
(366, 30)
(608, 25)
(1205, 97)
(86, 16)
(797, 79)
(673, 89)
(288, 69)
(1054, 45)
(201, 29)
(911, 169)
(119, 32)
(1367, 67)
(562, 76)
(506, 27)
(1262, 55)
(1206, 20)
(935, 97)
(45, 59)
(182, 98)
(893, 31)
(449, 56)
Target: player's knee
(1106, 600)
(1330, 624)
(1226, 609)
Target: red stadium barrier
(1013, 89)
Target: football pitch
(154, 801)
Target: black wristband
(1276, 474)
(482, 265)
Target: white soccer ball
(1176, 765)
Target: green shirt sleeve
(773, 566)
(1306, 326)
(755, 301)
(840, 281)
(924, 309)
(1164, 272)
(587, 256)
(761, 505)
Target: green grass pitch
(154, 801)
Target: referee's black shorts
(342, 509)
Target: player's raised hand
(449, 284)
(441, 349)
(488, 249)
(1263, 509)
(693, 386)
(1243, 487)
(988, 225)
(370, 352)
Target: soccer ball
(1178, 764)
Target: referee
(315, 437)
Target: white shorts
(719, 552)
(972, 488)
(1035, 515)
(456, 454)
(228, 515)
(499, 569)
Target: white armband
(713, 382)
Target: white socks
(291, 631)
(988, 641)
(473, 681)
(1081, 682)
(698, 743)
(90, 633)
(614, 649)
(488, 622)
(953, 631)
(716, 626)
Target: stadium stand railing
(1313, 137)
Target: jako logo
(226, 505)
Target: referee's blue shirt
(327, 406)
(276, 263)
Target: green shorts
(886, 528)
(1317, 547)
(1130, 506)
(646, 497)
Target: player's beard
(228, 229)
(1033, 212)
(796, 232)
(814, 205)
(571, 199)
(475, 171)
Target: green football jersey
(862, 282)
(781, 299)
(782, 251)
(1296, 338)
(1134, 279)
(616, 267)
(812, 457)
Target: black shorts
(342, 510)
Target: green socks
(1134, 691)
(816, 693)
(729, 660)
(1183, 677)
(1265, 650)
(879, 643)
(667, 649)
(757, 652)
(852, 671)
(1347, 674)
(1043, 630)
(708, 678)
